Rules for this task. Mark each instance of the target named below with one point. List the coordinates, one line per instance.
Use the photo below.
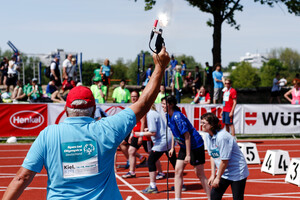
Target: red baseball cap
(80, 93)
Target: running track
(260, 185)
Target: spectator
(172, 70)
(99, 113)
(295, 92)
(178, 83)
(202, 97)
(53, 93)
(34, 92)
(197, 80)
(188, 83)
(69, 70)
(99, 90)
(275, 91)
(106, 72)
(121, 94)
(208, 75)
(191, 145)
(183, 69)
(161, 94)
(227, 157)
(218, 83)
(162, 144)
(297, 77)
(19, 94)
(74, 68)
(3, 69)
(55, 72)
(12, 73)
(148, 74)
(97, 75)
(100, 140)
(229, 102)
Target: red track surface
(260, 185)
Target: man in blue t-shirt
(78, 154)
(218, 84)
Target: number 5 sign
(249, 151)
(293, 175)
(276, 162)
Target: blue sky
(120, 28)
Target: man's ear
(66, 111)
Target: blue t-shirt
(222, 146)
(183, 70)
(275, 86)
(106, 70)
(50, 89)
(173, 64)
(78, 155)
(157, 124)
(179, 125)
(217, 75)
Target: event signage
(29, 120)
(19, 120)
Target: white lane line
(131, 187)
(129, 198)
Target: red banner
(22, 119)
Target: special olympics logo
(26, 119)
(250, 118)
(89, 148)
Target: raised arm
(142, 106)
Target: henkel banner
(22, 119)
(270, 118)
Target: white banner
(248, 118)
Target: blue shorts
(226, 119)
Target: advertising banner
(22, 119)
(270, 118)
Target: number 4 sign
(250, 153)
(276, 162)
(293, 175)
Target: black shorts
(127, 138)
(197, 155)
(275, 94)
(12, 80)
(146, 144)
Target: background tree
(224, 10)
(245, 76)
(289, 57)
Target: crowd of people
(139, 125)
(89, 174)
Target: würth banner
(22, 119)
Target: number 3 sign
(276, 162)
(293, 175)
(250, 153)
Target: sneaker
(182, 189)
(150, 190)
(128, 175)
(143, 160)
(160, 175)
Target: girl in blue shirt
(227, 157)
(191, 145)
